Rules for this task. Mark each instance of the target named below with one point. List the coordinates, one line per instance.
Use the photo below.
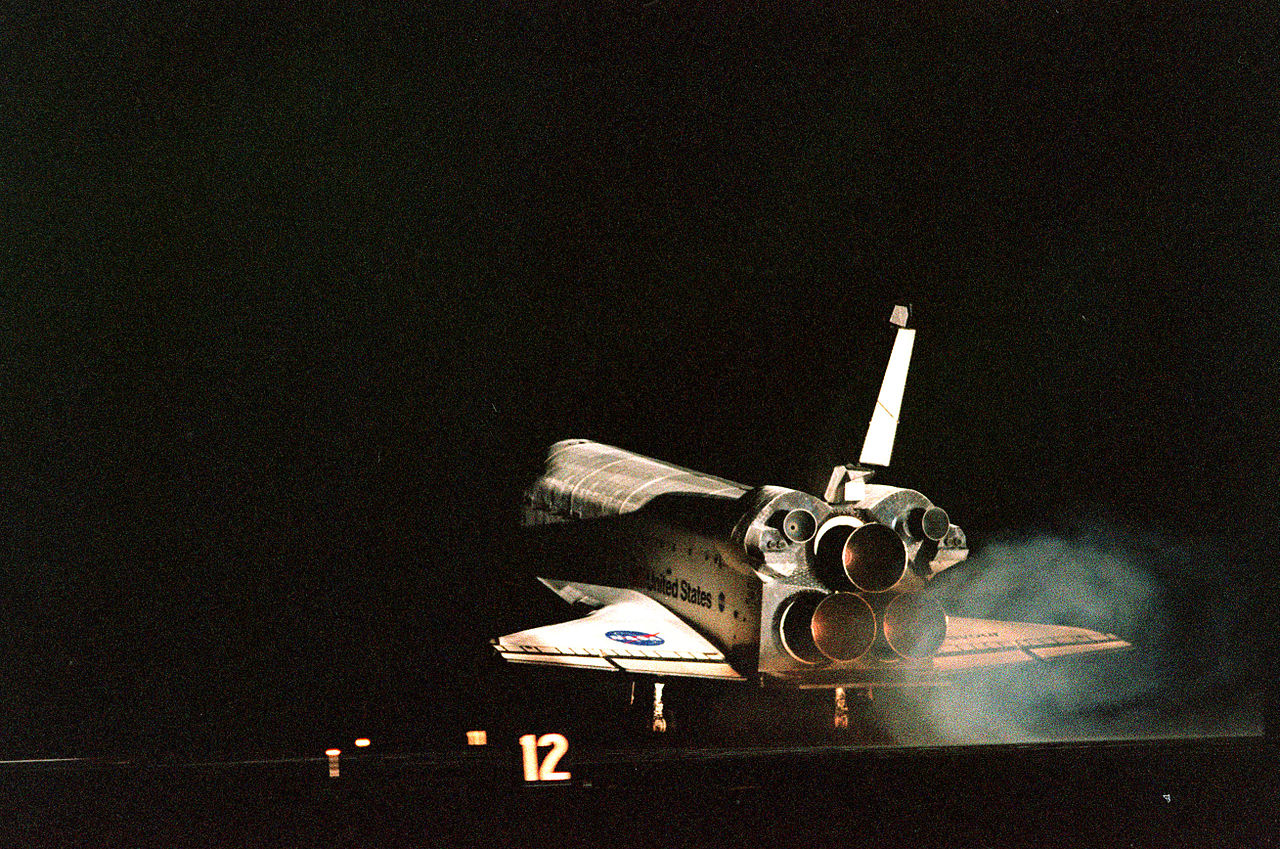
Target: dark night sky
(291, 305)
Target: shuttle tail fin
(878, 444)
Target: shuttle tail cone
(915, 626)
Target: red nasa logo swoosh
(635, 638)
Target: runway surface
(1140, 793)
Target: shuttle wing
(973, 643)
(628, 632)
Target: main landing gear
(842, 710)
(659, 721)
(659, 724)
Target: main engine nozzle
(851, 554)
(914, 625)
(818, 628)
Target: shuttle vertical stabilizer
(878, 445)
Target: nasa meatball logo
(635, 638)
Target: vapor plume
(1187, 610)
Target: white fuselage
(702, 577)
(692, 576)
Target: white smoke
(1188, 673)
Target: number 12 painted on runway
(546, 771)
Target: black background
(293, 302)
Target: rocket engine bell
(850, 554)
(821, 629)
(799, 525)
(914, 625)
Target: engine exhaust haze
(1196, 613)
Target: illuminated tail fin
(878, 445)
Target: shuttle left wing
(628, 632)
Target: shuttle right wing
(974, 643)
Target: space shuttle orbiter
(687, 574)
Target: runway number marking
(546, 771)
